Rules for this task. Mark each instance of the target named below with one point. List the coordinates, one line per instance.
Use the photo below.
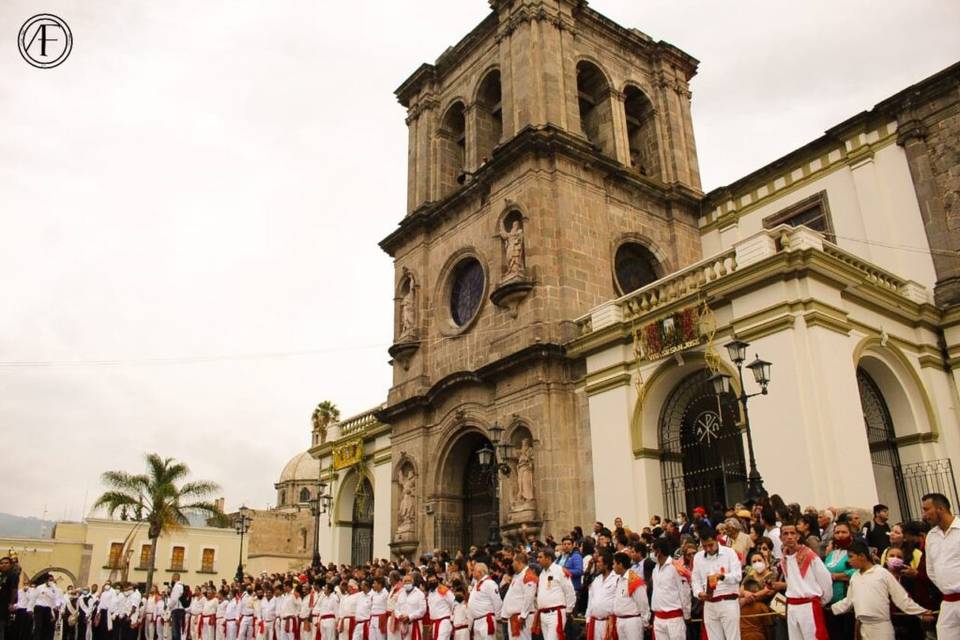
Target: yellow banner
(347, 454)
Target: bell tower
(551, 167)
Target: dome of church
(302, 467)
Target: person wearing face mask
(837, 563)
(88, 605)
(461, 620)
(411, 607)
(46, 605)
(440, 603)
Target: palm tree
(157, 500)
(325, 413)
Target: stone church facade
(552, 122)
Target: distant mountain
(21, 527)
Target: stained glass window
(467, 291)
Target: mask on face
(759, 566)
(894, 564)
(408, 588)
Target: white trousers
(599, 629)
(549, 622)
(221, 629)
(358, 630)
(801, 625)
(245, 630)
(630, 628)
(722, 619)
(231, 632)
(286, 629)
(269, 630)
(670, 628)
(948, 625)
(328, 629)
(311, 633)
(876, 630)
(464, 634)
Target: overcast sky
(190, 205)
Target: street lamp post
(242, 525)
(493, 459)
(737, 350)
(319, 506)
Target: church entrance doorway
(701, 460)
(465, 506)
(478, 500)
(361, 542)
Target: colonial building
(564, 289)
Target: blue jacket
(574, 564)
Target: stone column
(944, 237)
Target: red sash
(353, 625)
(818, 618)
(951, 597)
(382, 622)
(436, 626)
(416, 632)
(591, 628)
(515, 626)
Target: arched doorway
(701, 460)
(478, 501)
(884, 452)
(361, 539)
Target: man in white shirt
(600, 596)
(809, 587)
(484, 604)
(871, 590)
(630, 605)
(245, 625)
(943, 561)
(671, 596)
(232, 615)
(440, 602)
(326, 613)
(716, 581)
(378, 609)
(520, 603)
(555, 596)
(267, 624)
(102, 625)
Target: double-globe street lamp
(737, 349)
(242, 525)
(318, 506)
(493, 460)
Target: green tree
(160, 497)
(325, 413)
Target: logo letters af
(45, 41)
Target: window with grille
(116, 551)
(176, 559)
(206, 563)
(812, 212)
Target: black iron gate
(478, 506)
(701, 447)
(361, 542)
(882, 438)
(930, 476)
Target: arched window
(635, 266)
(596, 114)
(283, 498)
(304, 495)
(641, 133)
(489, 116)
(452, 148)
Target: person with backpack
(177, 603)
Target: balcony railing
(359, 423)
(691, 281)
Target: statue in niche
(514, 250)
(407, 311)
(407, 512)
(524, 495)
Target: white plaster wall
(874, 212)
(614, 488)
(382, 474)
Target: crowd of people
(761, 571)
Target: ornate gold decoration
(708, 329)
(348, 454)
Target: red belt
(666, 615)
(591, 624)
(415, 633)
(818, 619)
(729, 596)
(353, 625)
(436, 625)
(491, 626)
(515, 625)
(366, 628)
(381, 621)
(951, 597)
(457, 627)
(327, 616)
